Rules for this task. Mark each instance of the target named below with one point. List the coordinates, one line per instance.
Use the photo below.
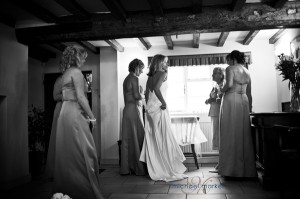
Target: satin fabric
(132, 141)
(51, 149)
(161, 152)
(236, 152)
(76, 165)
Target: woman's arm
(57, 89)
(135, 88)
(157, 84)
(229, 80)
(147, 91)
(78, 81)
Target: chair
(289, 164)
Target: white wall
(109, 105)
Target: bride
(160, 151)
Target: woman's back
(128, 90)
(241, 79)
(241, 75)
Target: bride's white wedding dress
(160, 151)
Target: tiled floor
(200, 184)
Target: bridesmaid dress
(76, 165)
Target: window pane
(199, 88)
(197, 104)
(176, 74)
(198, 72)
(175, 89)
(176, 104)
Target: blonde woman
(76, 165)
(160, 152)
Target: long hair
(155, 64)
(71, 57)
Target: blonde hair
(155, 64)
(71, 57)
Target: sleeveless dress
(76, 165)
(161, 152)
(237, 158)
(132, 140)
(51, 148)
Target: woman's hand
(163, 106)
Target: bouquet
(290, 70)
(60, 196)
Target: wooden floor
(200, 184)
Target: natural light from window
(189, 87)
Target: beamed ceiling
(45, 25)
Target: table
(187, 131)
(266, 143)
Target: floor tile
(207, 196)
(253, 196)
(139, 180)
(117, 188)
(183, 181)
(167, 196)
(199, 184)
(127, 196)
(112, 180)
(151, 189)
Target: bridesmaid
(76, 164)
(237, 157)
(132, 125)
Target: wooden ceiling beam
(73, 7)
(36, 10)
(238, 5)
(59, 46)
(276, 36)
(196, 40)
(197, 6)
(278, 3)
(156, 7)
(142, 24)
(169, 42)
(250, 36)
(40, 53)
(144, 43)
(7, 21)
(222, 38)
(89, 46)
(116, 45)
(116, 8)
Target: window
(189, 87)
